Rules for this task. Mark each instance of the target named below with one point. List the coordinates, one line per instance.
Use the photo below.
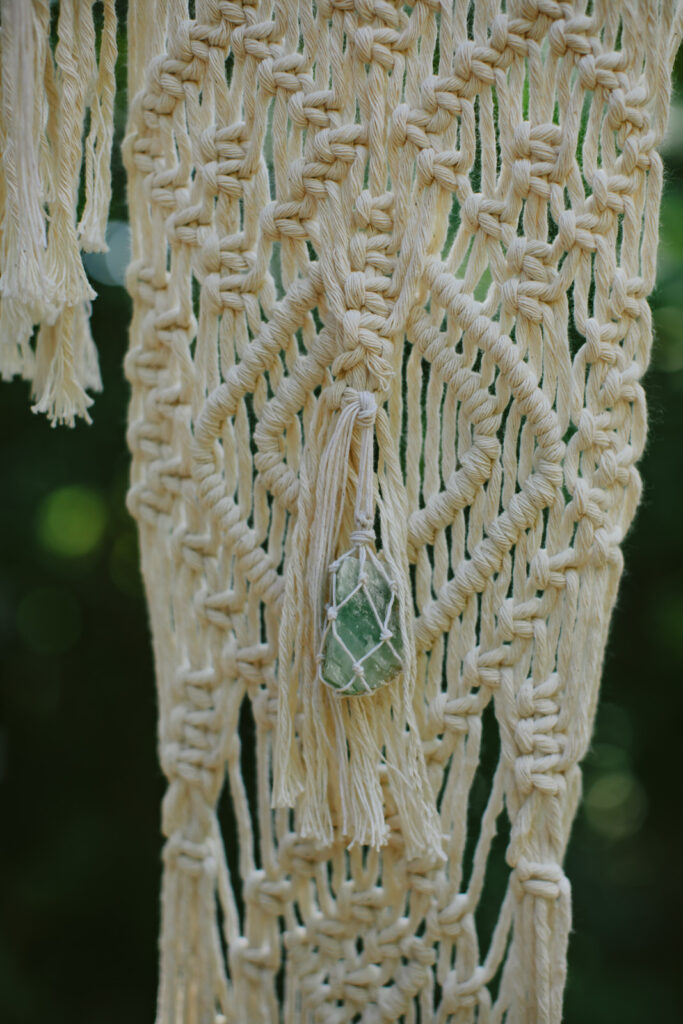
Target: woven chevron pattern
(454, 207)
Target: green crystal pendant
(362, 646)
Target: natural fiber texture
(454, 209)
(347, 745)
(44, 99)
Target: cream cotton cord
(45, 95)
(390, 267)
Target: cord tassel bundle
(44, 102)
(358, 744)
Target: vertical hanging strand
(24, 288)
(59, 380)
(93, 223)
(72, 60)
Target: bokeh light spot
(71, 521)
(608, 757)
(118, 257)
(616, 805)
(124, 564)
(110, 267)
(666, 617)
(49, 620)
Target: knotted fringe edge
(192, 967)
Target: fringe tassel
(73, 62)
(42, 111)
(193, 975)
(349, 750)
(93, 224)
(17, 358)
(66, 364)
(23, 227)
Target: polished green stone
(352, 619)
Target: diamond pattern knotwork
(442, 205)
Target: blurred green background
(79, 782)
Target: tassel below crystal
(347, 731)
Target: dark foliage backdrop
(79, 782)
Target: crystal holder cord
(336, 767)
(362, 644)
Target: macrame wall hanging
(389, 278)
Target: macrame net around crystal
(446, 216)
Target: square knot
(190, 857)
(363, 347)
(365, 404)
(354, 289)
(374, 212)
(545, 880)
(451, 918)
(364, 536)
